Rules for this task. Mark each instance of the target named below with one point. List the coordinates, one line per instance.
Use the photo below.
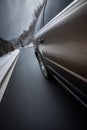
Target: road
(33, 103)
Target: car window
(53, 7)
(39, 23)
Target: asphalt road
(33, 103)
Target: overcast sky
(15, 16)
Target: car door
(65, 41)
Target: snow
(6, 62)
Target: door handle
(41, 40)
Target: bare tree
(27, 36)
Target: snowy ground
(6, 62)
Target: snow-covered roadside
(6, 62)
(6, 80)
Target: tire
(43, 67)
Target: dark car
(60, 44)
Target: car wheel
(43, 67)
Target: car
(60, 44)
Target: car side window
(53, 7)
(39, 23)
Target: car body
(60, 43)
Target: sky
(16, 16)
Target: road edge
(4, 83)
